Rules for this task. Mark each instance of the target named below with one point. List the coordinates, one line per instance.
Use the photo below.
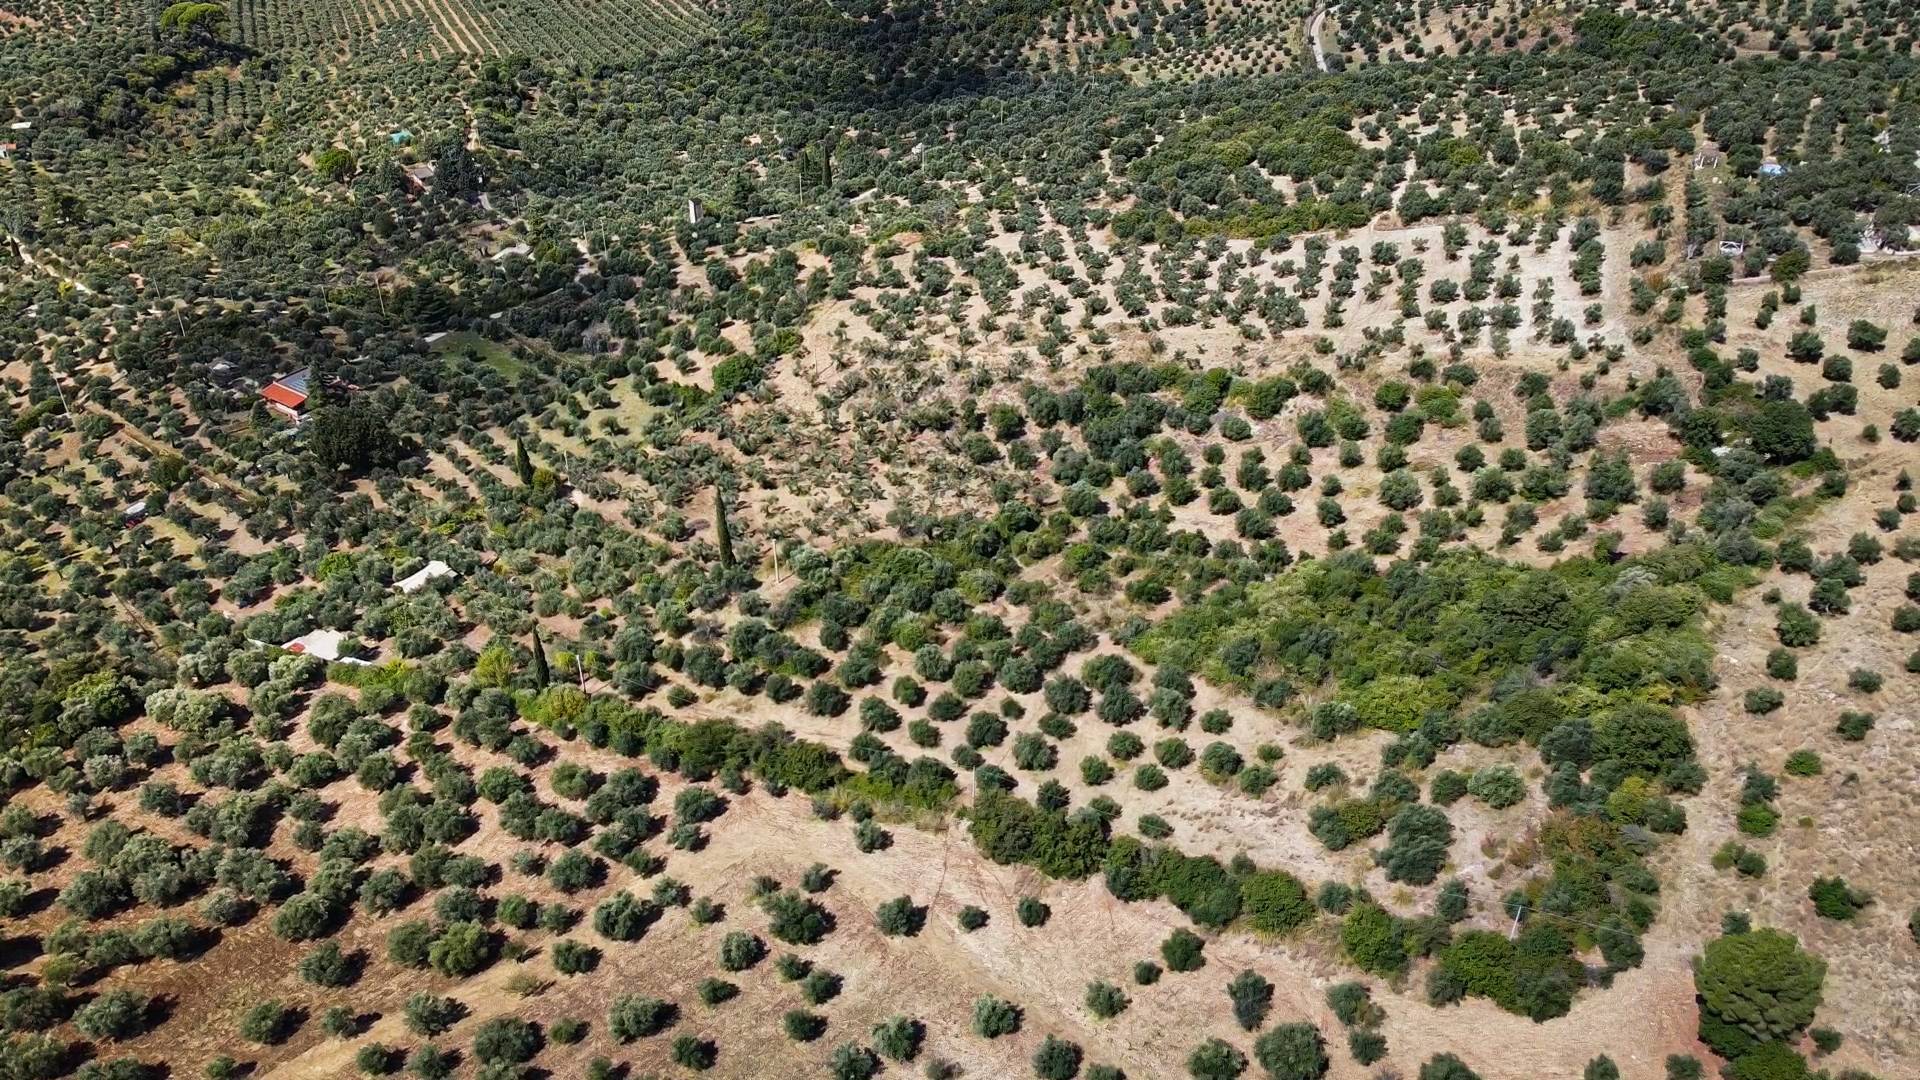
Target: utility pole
(62, 391)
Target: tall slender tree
(522, 464)
(540, 672)
(723, 532)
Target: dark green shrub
(1373, 939)
(803, 1026)
(1755, 987)
(820, 986)
(1833, 898)
(852, 1062)
(1252, 997)
(1366, 1045)
(1105, 1000)
(1292, 1052)
(633, 1017)
(1032, 912)
(268, 1022)
(506, 1039)
(994, 1017)
(1183, 951)
(1056, 1059)
(1216, 1060)
(1274, 901)
(115, 1014)
(899, 917)
(1803, 763)
(898, 1038)
(1418, 838)
(430, 1014)
(740, 950)
(1446, 1067)
(329, 966)
(695, 1053)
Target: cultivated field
(989, 539)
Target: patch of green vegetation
(469, 347)
(1405, 643)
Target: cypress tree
(723, 533)
(540, 673)
(522, 464)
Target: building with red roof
(287, 395)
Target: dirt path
(46, 267)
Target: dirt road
(1313, 36)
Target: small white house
(324, 644)
(417, 580)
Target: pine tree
(722, 531)
(540, 673)
(522, 464)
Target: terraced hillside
(587, 31)
(582, 31)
